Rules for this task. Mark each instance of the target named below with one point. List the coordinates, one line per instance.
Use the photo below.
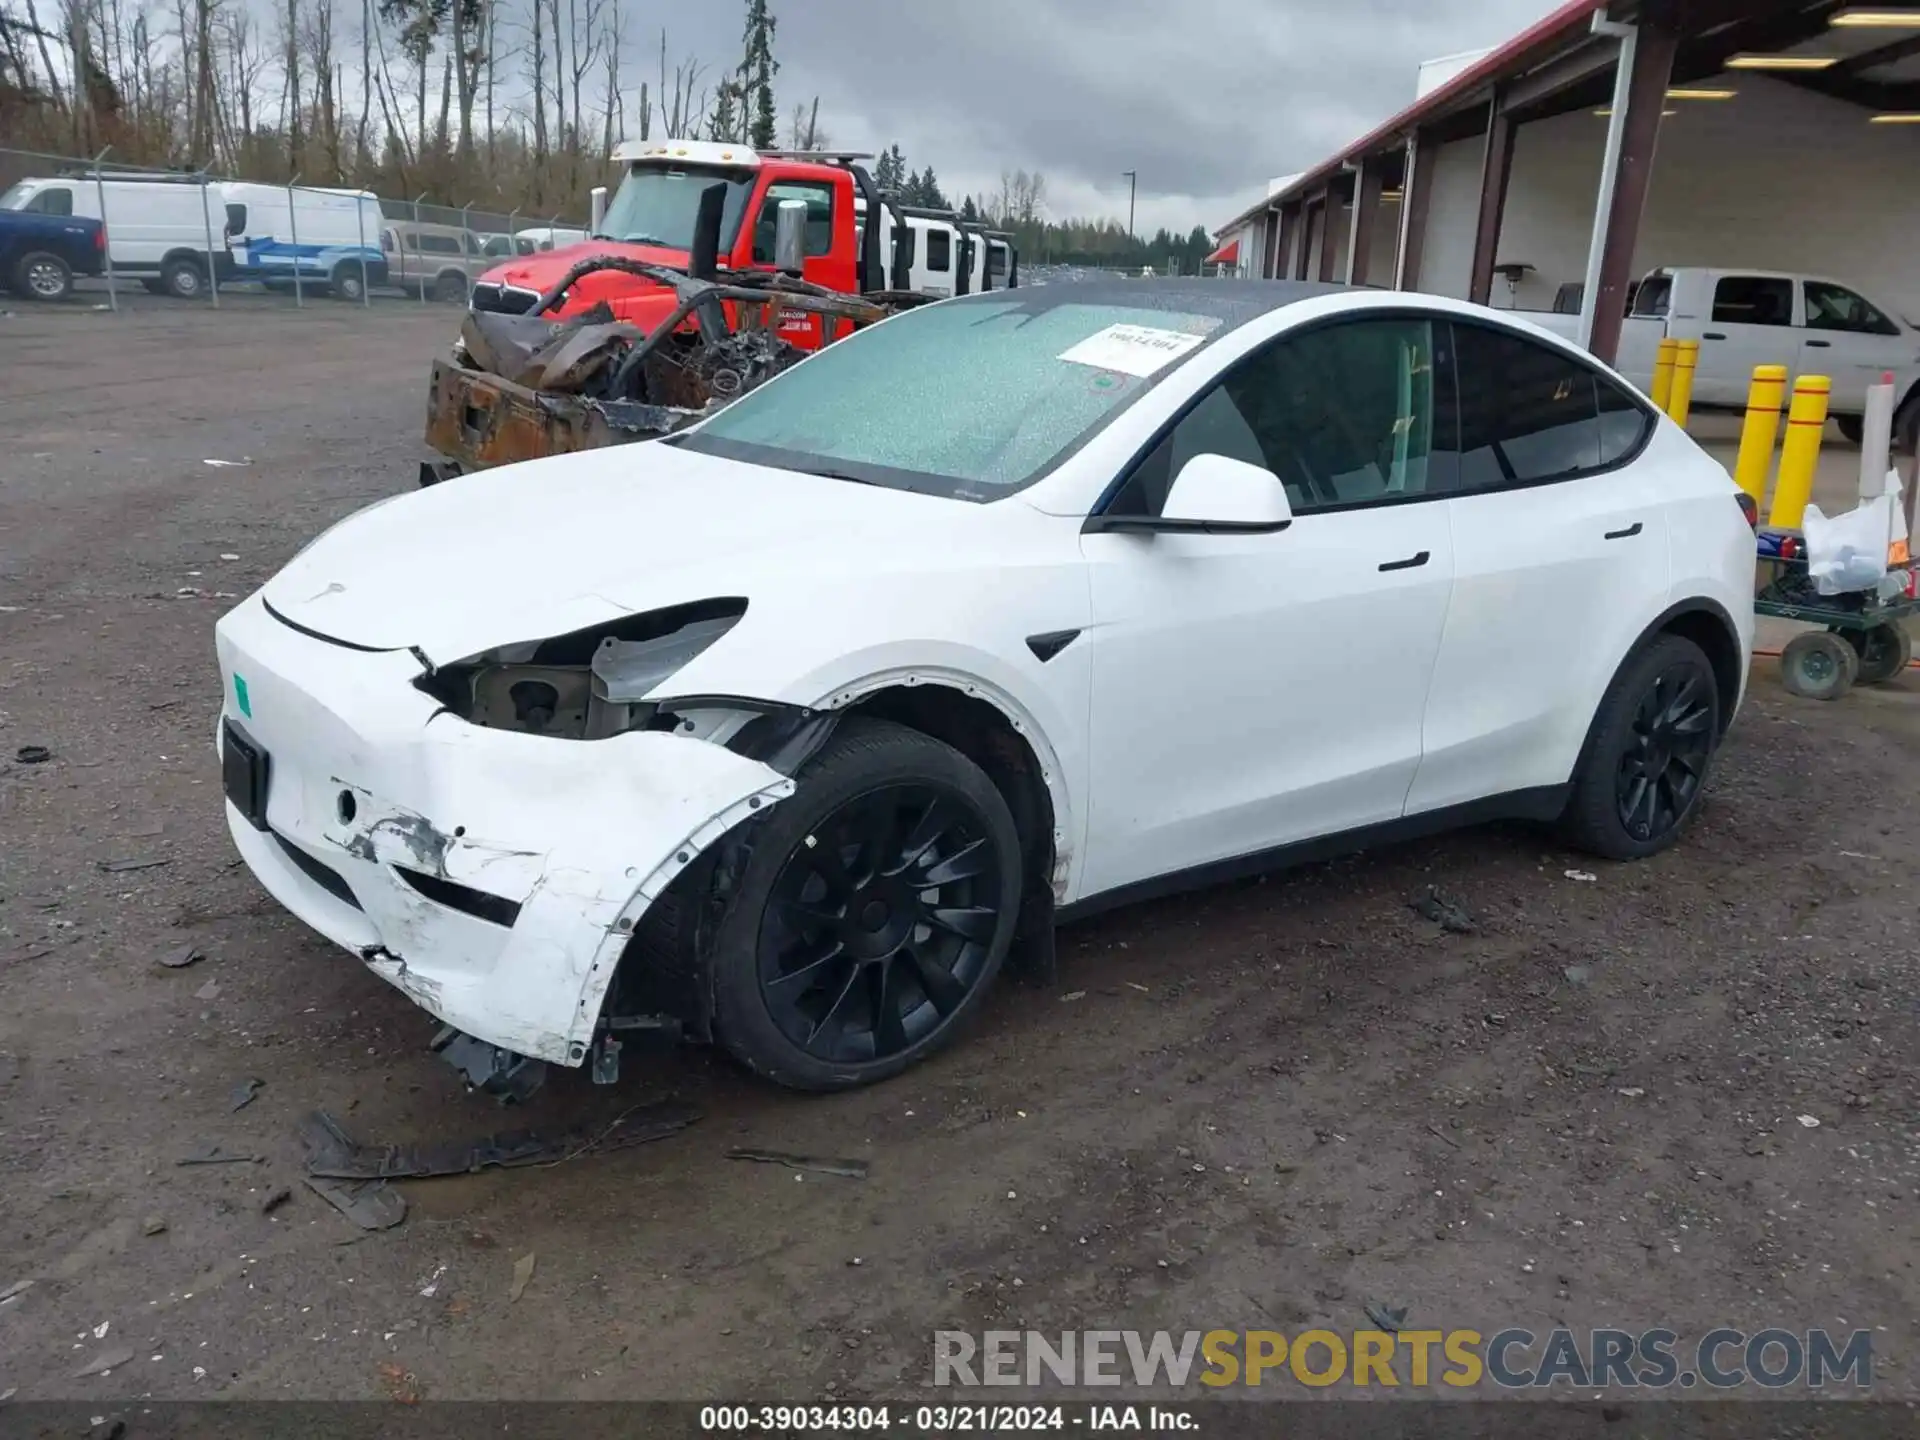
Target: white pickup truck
(1744, 318)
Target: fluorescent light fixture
(1782, 62)
(1686, 93)
(1879, 19)
(1391, 194)
(1896, 117)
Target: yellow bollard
(1680, 393)
(1761, 427)
(1663, 373)
(1800, 451)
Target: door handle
(1820, 344)
(1412, 562)
(1626, 534)
(1711, 335)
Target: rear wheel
(42, 275)
(1906, 426)
(1853, 428)
(1818, 666)
(1640, 781)
(183, 279)
(875, 908)
(450, 289)
(1883, 652)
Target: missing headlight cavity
(588, 684)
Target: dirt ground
(1255, 1107)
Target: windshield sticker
(1131, 349)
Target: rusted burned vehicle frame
(519, 387)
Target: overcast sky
(1205, 98)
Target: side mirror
(790, 237)
(1212, 495)
(598, 209)
(905, 251)
(1212, 492)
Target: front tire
(1639, 783)
(1853, 428)
(873, 912)
(42, 275)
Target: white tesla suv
(787, 729)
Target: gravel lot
(1260, 1106)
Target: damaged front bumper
(493, 877)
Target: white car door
(1851, 341)
(1250, 691)
(1560, 558)
(1751, 322)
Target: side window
(1653, 296)
(1752, 300)
(56, 200)
(819, 202)
(1344, 415)
(236, 219)
(939, 250)
(387, 241)
(1529, 413)
(1624, 424)
(1834, 307)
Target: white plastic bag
(1849, 552)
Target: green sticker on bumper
(240, 697)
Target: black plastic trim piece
(1050, 643)
(1157, 525)
(1626, 534)
(323, 875)
(329, 639)
(494, 909)
(1544, 802)
(1412, 562)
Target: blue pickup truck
(40, 254)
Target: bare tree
(681, 104)
(290, 58)
(803, 129)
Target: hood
(543, 267)
(526, 552)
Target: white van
(532, 240)
(329, 238)
(167, 231)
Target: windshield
(657, 206)
(15, 197)
(970, 400)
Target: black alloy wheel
(880, 923)
(1644, 768)
(1663, 765)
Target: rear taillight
(100, 239)
(1750, 508)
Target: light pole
(1133, 181)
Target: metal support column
(1496, 167)
(1416, 195)
(1649, 69)
(1366, 210)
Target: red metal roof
(1569, 21)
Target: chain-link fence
(88, 231)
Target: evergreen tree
(890, 171)
(929, 189)
(723, 120)
(757, 69)
(969, 210)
